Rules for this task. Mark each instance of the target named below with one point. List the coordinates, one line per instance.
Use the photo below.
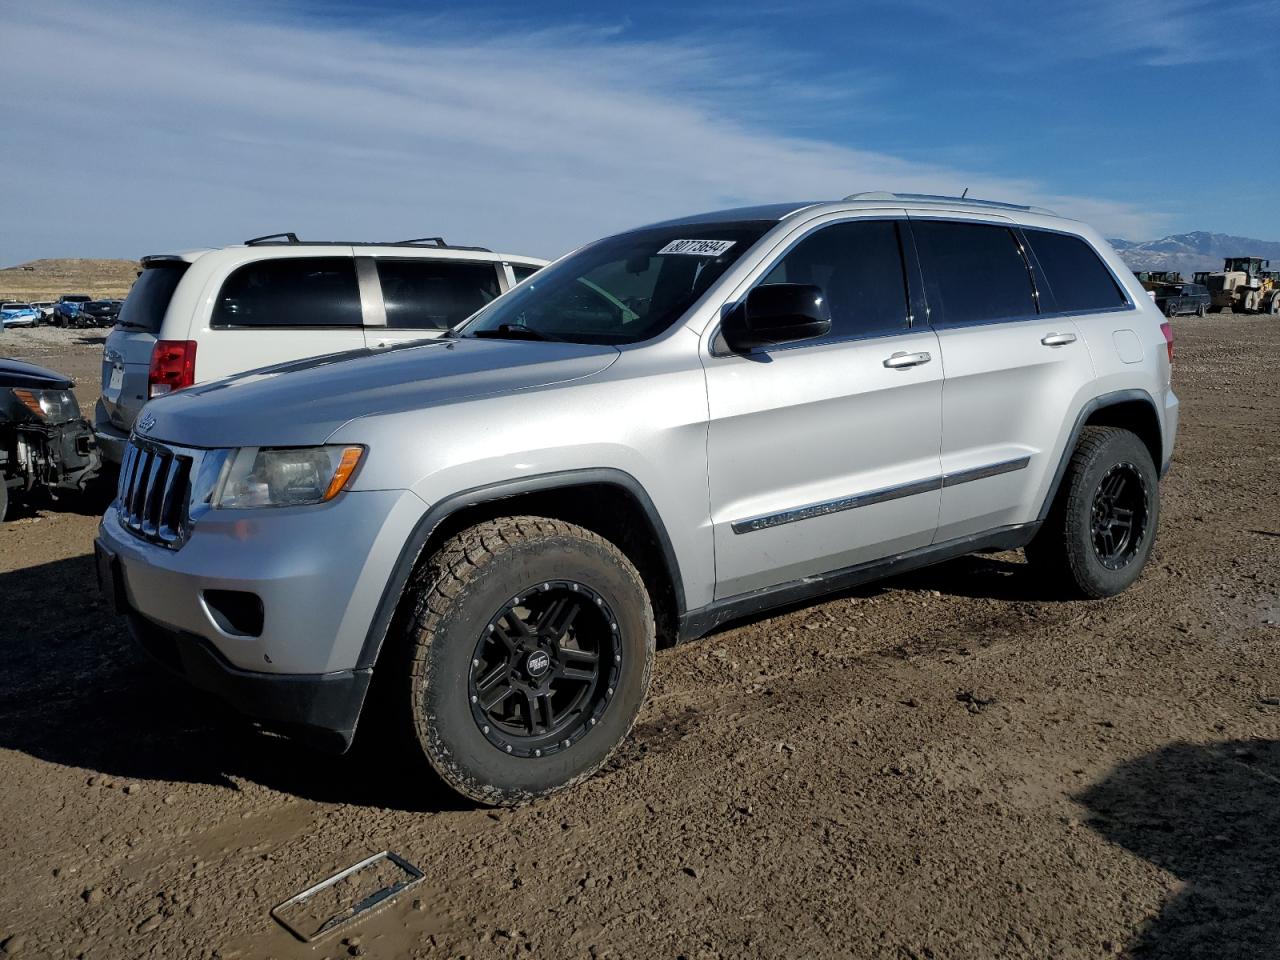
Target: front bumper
(319, 573)
(321, 709)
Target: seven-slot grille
(154, 489)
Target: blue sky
(535, 127)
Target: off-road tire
(4, 500)
(1064, 550)
(457, 593)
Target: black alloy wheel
(1118, 521)
(545, 668)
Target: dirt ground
(950, 764)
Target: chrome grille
(155, 486)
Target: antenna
(965, 194)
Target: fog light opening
(235, 611)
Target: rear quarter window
(291, 292)
(1078, 279)
(523, 271)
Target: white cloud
(163, 127)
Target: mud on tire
(529, 653)
(1102, 525)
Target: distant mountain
(1189, 252)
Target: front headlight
(56, 406)
(284, 476)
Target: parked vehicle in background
(98, 313)
(277, 299)
(46, 310)
(1154, 279)
(1245, 285)
(45, 445)
(19, 315)
(1175, 299)
(68, 305)
(668, 429)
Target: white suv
(207, 314)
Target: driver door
(824, 454)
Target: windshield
(623, 289)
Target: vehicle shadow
(75, 690)
(983, 576)
(1210, 815)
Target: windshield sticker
(697, 248)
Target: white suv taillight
(1167, 330)
(173, 366)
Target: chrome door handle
(1058, 339)
(901, 359)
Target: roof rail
(272, 239)
(934, 198)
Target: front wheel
(1102, 525)
(529, 657)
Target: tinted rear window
(973, 272)
(291, 292)
(149, 297)
(434, 294)
(1077, 277)
(523, 272)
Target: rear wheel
(1200, 311)
(4, 499)
(1102, 525)
(530, 656)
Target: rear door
(823, 454)
(126, 355)
(287, 307)
(1013, 375)
(419, 298)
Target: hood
(17, 373)
(304, 402)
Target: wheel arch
(607, 501)
(1134, 410)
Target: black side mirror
(777, 313)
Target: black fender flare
(1101, 402)
(438, 512)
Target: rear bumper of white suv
(267, 609)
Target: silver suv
(664, 431)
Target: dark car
(1178, 298)
(97, 313)
(68, 305)
(45, 445)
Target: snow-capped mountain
(1189, 252)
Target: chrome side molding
(881, 495)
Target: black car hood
(18, 373)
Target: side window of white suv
(973, 273)
(291, 292)
(434, 294)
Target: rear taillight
(1167, 330)
(173, 366)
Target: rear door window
(1078, 279)
(973, 273)
(149, 297)
(858, 265)
(291, 292)
(434, 294)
